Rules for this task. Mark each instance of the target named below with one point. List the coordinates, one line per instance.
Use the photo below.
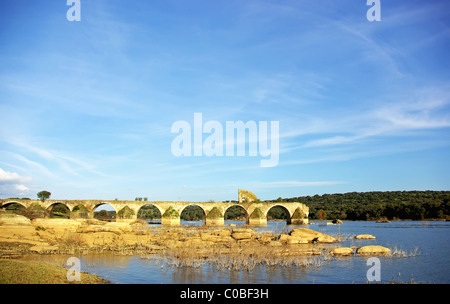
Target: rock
(17, 228)
(240, 234)
(224, 232)
(283, 238)
(365, 237)
(310, 235)
(342, 251)
(208, 237)
(275, 244)
(43, 248)
(296, 240)
(193, 242)
(265, 238)
(248, 242)
(136, 239)
(56, 224)
(9, 219)
(242, 230)
(373, 249)
(99, 238)
(118, 226)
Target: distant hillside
(414, 205)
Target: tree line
(415, 205)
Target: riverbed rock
(224, 232)
(265, 238)
(308, 235)
(99, 239)
(43, 248)
(342, 251)
(373, 250)
(275, 244)
(9, 219)
(365, 237)
(17, 229)
(240, 234)
(56, 224)
(136, 239)
(297, 240)
(118, 226)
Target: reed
(235, 258)
(400, 253)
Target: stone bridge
(256, 211)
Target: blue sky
(87, 107)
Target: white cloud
(12, 184)
(21, 188)
(12, 177)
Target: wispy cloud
(65, 163)
(288, 184)
(426, 109)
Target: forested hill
(375, 205)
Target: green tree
(43, 195)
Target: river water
(426, 245)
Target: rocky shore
(19, 236)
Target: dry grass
(246, 258)
(33, 272)
(400, 253)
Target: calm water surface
(430, 264)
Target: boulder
(99, 238)
(342, 251)
(136, 239)
(365, 237)
(296, 240)
(240, 234)
(242, 230)
(17, 228)
(308, 235)
(118, 226)
(275, 244)
(224, 232)
(265, 238)
(56, 224)
(373, 249)
(43, 248)
(9, 219)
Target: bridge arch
(195, 215)
(61, 207)
(238, 212)
(96, 205)
(280, 206)
(11, 204)
(149, 215)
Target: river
(426, 245)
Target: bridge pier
(215, 222)
(257, 221)
(170, 221)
